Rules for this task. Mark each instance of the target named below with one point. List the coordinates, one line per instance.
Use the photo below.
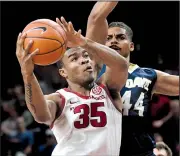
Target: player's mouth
(116, 48)
(88, 69)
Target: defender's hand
(74, 38)
(24, 57)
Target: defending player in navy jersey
(142, 83)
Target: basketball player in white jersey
(86, 116)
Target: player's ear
(131, 46)
(63, 72)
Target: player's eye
(86, 55)
(109, 38)
(121, 37)
(74, 59)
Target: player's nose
(84, 60)
(114, 42)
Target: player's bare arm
(117, 71)
(43, 108)
(97, 25)
(166, 84)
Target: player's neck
(83, 90)
(128, 59)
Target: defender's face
(78, 66)
(118, 40)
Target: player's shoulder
(56, 97)
(134, 68)
(150, 72)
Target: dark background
(155, 26)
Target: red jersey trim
(61, 106)
(78, 94)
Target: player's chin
(89, 78)
(124, 54)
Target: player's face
(160, 152)
(78, 66)
(118, 40)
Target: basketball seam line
(46, 38)
(55, 60)
(49, 39)
(52, 50)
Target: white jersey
(88, 125)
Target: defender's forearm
(102, 9)
(97, 25)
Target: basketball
(49, 38)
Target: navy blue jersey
(136, 94)
(137, 137)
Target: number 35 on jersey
(90, 115)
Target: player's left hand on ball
(74, 38)
(25, 58)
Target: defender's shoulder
(149, 71)
(132, 68)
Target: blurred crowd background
(156, 29)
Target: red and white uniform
(88, 125)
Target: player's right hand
(24, 57)
(74, 38)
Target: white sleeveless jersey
(88, 125)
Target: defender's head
(76, 67)
(162, 149)
(120, 38)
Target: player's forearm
(166, 84)
(101, 10)
(105, 54)
(175, 81)
(35, 100)
(97, 26)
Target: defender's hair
(124, 26)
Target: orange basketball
(49, 38)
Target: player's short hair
(60, 63)
(124, 26)
(162, 145)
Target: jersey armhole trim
(109, 95)
(61, 106)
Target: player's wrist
(84, 43)
(27, 78)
